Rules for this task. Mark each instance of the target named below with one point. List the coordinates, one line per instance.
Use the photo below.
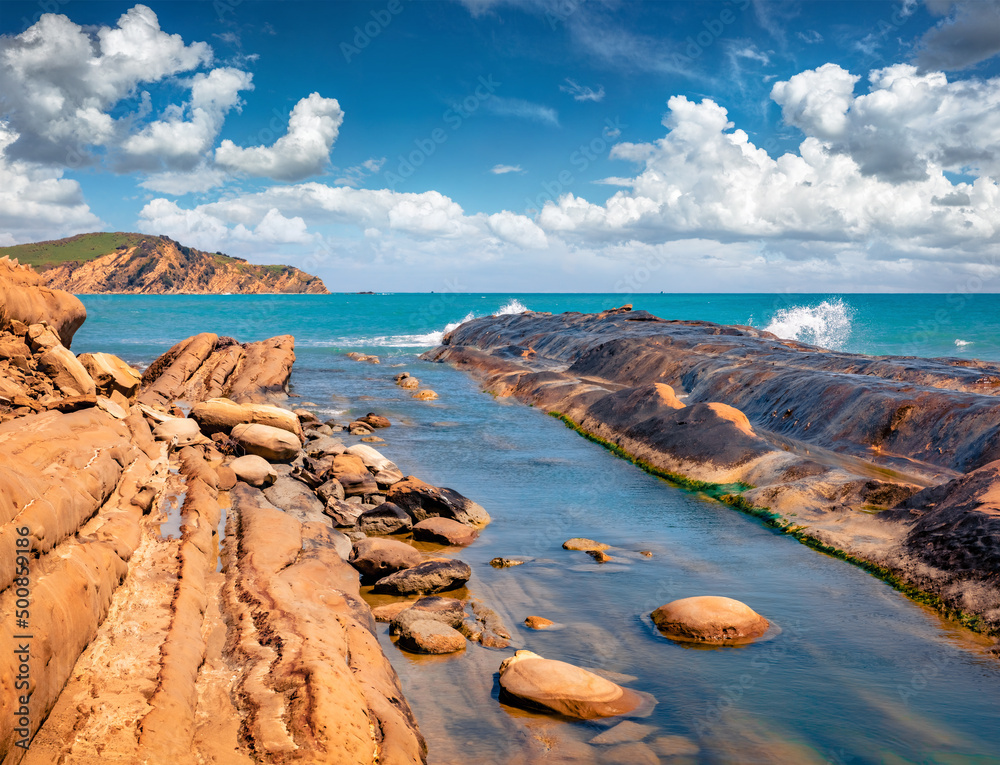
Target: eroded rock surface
(829, 440)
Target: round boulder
(435, 575)
(425, 395)
(376, 420)
(709, 619)
(528, 680)
(444, 531)
(185, 430)
(254, 470)
(273, 444)
(375, 558)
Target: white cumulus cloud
(303, 151)
(60, 80)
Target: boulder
(401, 376)
(25, 299)
(528, 680)
(375, 420)
(599, 555)
(348, 463)
(371, 458)
(426, 636)
(444, 531)
(388, 477)
(306, 417)
(65, 370)
(273, 444)
(390, 611)
(450, 611)
(387, 518)
(324, 446)
(409, 383)
(424, 501)
(254, 470)
(227, 477)
(184, 430)
(330, 490)
(435, 575)
(538, 623)
(425, 395)
(343, 514)
(358, 484)
(295, 498)
(581, 543)
(110, 374)
(709, 619)
(373, 440)
(376, 558)
(221, 415)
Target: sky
(519, 145)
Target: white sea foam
(422, 340)
(827, 325)
(513, 306)
(963, 343)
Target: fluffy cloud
(35, 200)
(303, 151)
(205, 231)
(184, 134)
(59, 80)
(427, 217)
(705, 179)
(907, 124)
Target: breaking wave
(963, 343)
(423, 340)
(827, 325)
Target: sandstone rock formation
(24, 297)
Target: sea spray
(827, 325)
(418, 340)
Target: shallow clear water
(857, 674)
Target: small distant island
(144, 264)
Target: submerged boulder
(528, 680)
(709, 619)
(428, 636)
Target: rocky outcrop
(143, 264)
(26, 298)
(821, 443)
(207, 366)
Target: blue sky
(548, 145)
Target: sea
(854, 672)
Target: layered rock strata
(827, 442)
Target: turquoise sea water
(857, 673)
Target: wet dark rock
(435, 575)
